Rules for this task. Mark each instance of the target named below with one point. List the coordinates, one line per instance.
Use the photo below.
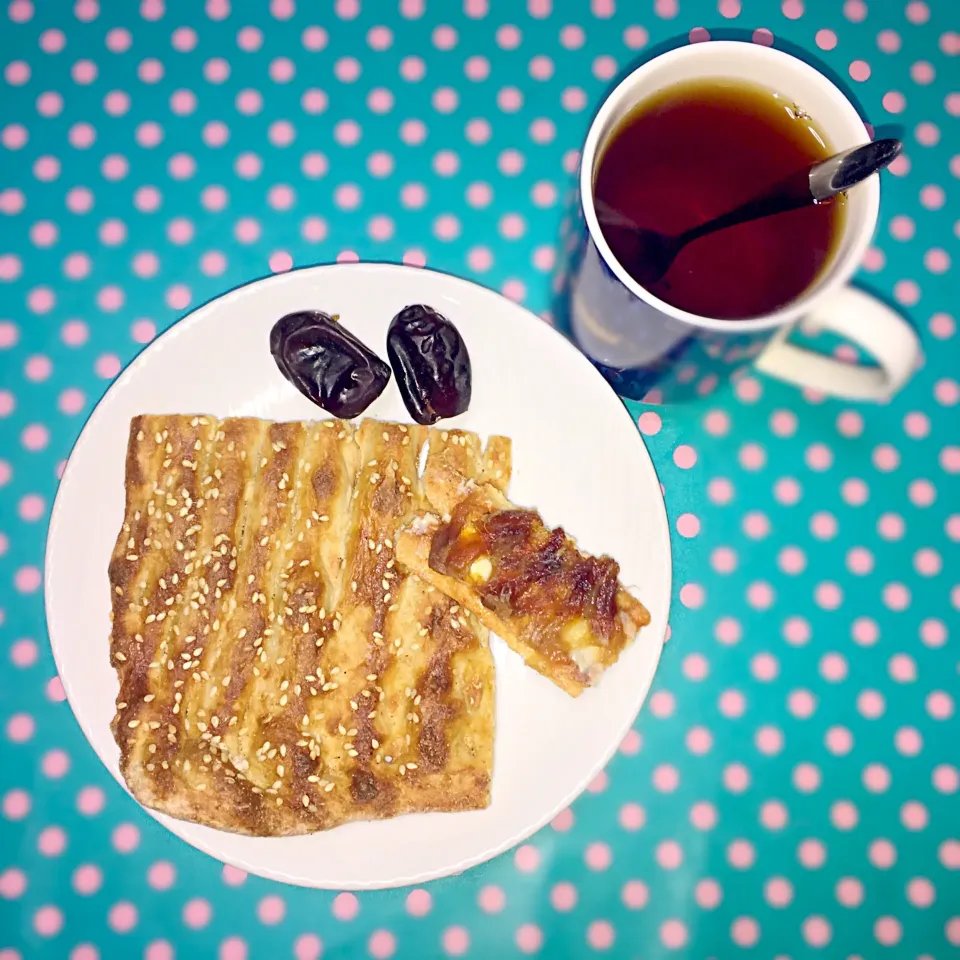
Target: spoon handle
(845, 170)
(789, 194)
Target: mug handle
(865, 321)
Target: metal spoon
(654, 252)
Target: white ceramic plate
(577, 457)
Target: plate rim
(181, 325)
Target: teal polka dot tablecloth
(790, 789)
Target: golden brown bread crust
(566, 641)
(278, 673)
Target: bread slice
(564, 612)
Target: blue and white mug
(649, 349)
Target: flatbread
(279, 672)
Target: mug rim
(803, 304)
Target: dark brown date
(327, 363)
(431, 362)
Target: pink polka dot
(122, 917)
(491, 899)
(110, 299)
(752, 456)
(946, 778)
(527, 858)
(736, 777)
(890, 526)
(950, 459)
(812, 854)
(563, 897)
(13, 883)
(649, 423)
(308, 946)
(684, 456)
(927, 562)
(871, 704)
(125, 838)
(949, 853)
(708, 894)
(161, 875)
(922, 493)
(717, 423)
(666, 778)
(528, 938)
(939, 705)
(817, 931)
(71, 401)
(573, 99)
(849, 892)
(745, 931)
(455, 941)
(233, 948)
(860, 561)
(741, 854)
(673, 934)
(778, 892)
(933, 633)
(24, 653)
(197, 913)
(908, 741)
(382, 944)
(888, 930)
(723, 560)
(599, 783)
(688, 525)
(90, 801)
(692, 595)
(760, 595)
(921, 892)
(669, 855)
(280, 262)
(828, 595)
(632, 816)
(937, 260)
(16, 804)
(728, 631)
(806, 777)
(446, 227)
(703, 815)
(773, 815)
(873, 259)
(27, 579)
(479, 194)
(914, 816)
(600, 935)
(87, 879)
(896, 596)
(345, 906)
(906, 292)
(20, 727)
(833, 667)
(859, 70)
(563, 821)
(769, 740)
(48, 921)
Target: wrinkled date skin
(431, 362)
(327, 363)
